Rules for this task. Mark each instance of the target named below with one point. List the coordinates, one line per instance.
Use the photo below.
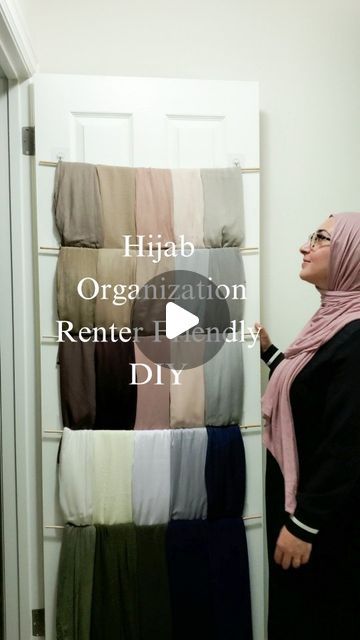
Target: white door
(159, 123)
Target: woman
(312, 432)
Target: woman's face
(316, 256)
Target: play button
(178, 320)
(181, 317)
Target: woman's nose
(305, 248)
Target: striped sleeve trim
(303, 526)
(271, 360)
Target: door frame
(20, 466)
(17, 57)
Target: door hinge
(28, 141)
(38, 622)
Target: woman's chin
(305, 276)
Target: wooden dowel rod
(242, 249)
(62, 526)
(47, 163)
(242, 426)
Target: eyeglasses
(318, 239)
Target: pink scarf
(340, 304)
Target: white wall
(304, 53)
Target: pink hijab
(340, 304)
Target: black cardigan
(325, 403)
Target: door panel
(159, 123)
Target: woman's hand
(265, 341)
(291, 551)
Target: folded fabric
(118, 271)
(224, 207)
(153, 583)
(226, 269)
(117, 189)
(187, 399)
(74, 265)
(224, 383)
(198, 261)
(188, 206)
(154, 205)
(225, 472)
(153, 397)
(147, 268)
(229, 574)
(196, 281)
(76, 476)
(75, 583)
(151, 477)
(150, 304)
(190, 580)
(113, 464)
(188, 458)
(186, 579)
(77, 383)
(115, 395)
(115, 606)
(77, 205)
